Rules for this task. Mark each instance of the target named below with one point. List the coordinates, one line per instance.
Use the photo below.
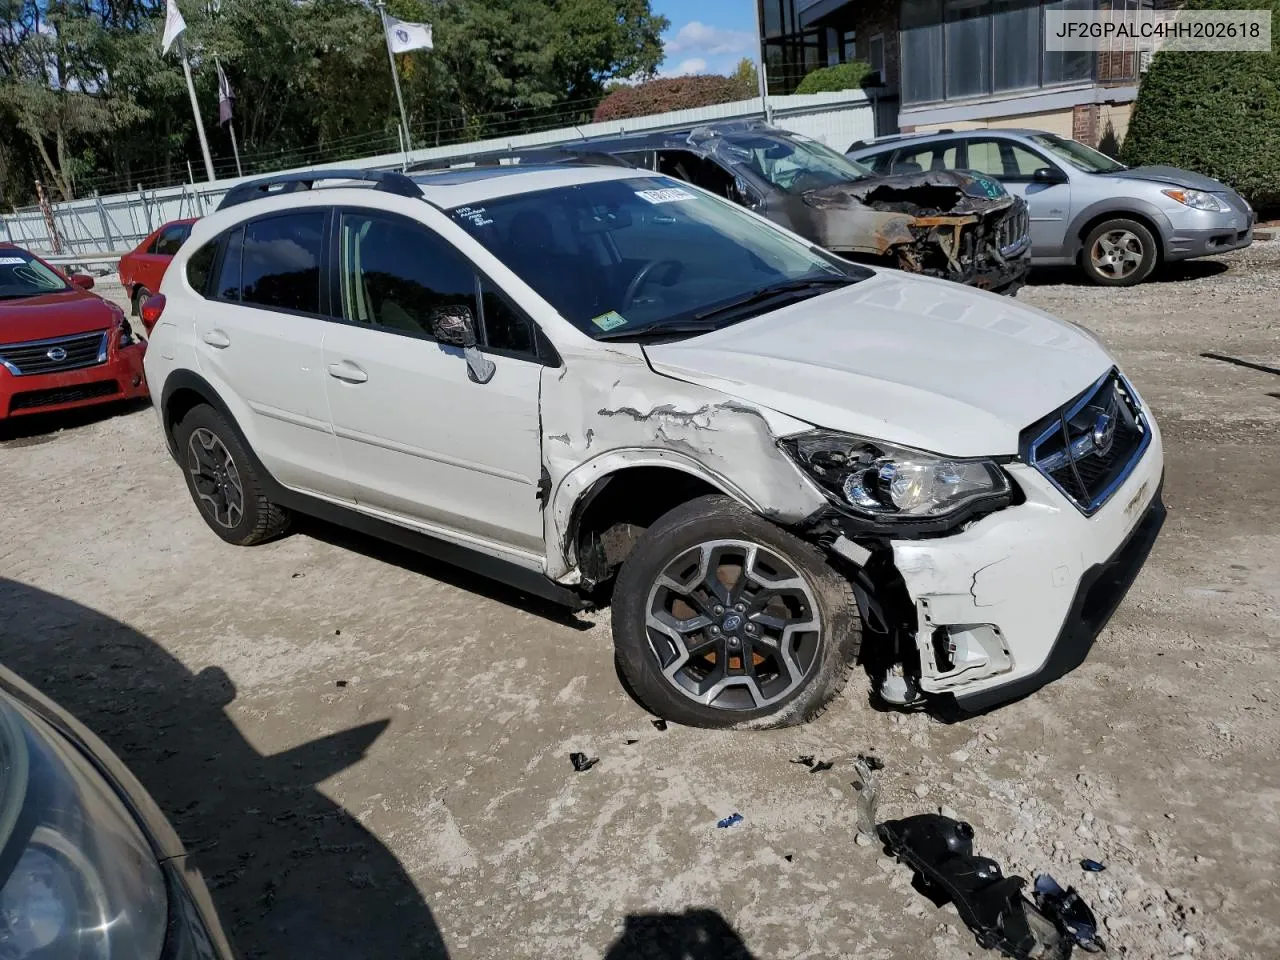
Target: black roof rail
(387, 181)
(540, 155)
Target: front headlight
(896, 484)
(1196, 200)
(78, 881)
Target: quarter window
(281, 262)
(200, 266)
(228, 285)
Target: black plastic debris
(1070, 913)
(297, 576)
(805, 759)
(340, 683)
(940, 851)
(873, 763)
(729, 821)
(814, 765)
(790, 857)
(660, 724)
(1092, 866)
(629, 742)
(582, 763)
(822, 765)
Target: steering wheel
(643, 276)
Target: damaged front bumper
(946, 224)
(1016, 600)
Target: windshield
(622, 257)
(795, 164)
(22, 275)
(1077, 154)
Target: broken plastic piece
(660, 724)
(940, 851)
(806, 759)
(581, 762)
(1092, 866)
(815, 766)
(339, 683)
(628, 742)
(869, 793)
(1071, 914)
(873, 762)
(729, 821)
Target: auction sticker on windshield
(609, 321)
(669, 195)
(12, 262)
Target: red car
(142, 269)
(61, 346)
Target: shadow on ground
(1177, 272)
(291, 872)
(693, 935)
(33, 429)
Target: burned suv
(951, 224)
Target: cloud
(700, 40)
(687, 68)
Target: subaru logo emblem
(732, 623)
(1104, 431)
(56, 354)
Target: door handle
(216, 338)
(347, 372)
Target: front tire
(223, 482)
(1119, 253)
(723, 619)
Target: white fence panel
(116, 224)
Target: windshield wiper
(764, 294)
(660, 329)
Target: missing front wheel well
(616, 512)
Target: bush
(843, 76)
(1214, 113)
(675, 93)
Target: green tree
(746, 76)
(1215, 113)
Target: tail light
(151, 311)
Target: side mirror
(1049, 175)
(455, 326)
(83, 281)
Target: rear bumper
(120, 378)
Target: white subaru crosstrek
(594, 382)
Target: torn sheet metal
(613, 414)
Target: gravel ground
(367, 753)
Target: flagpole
(395, 79)
(195, 108)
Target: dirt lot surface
(367, 754)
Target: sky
(706, 36)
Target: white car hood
(914, 361)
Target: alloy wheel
(215, 478)
(733, 625)
(1117, 254)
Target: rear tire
(1119, 253)
(140, 298)
(723, 619)
(223, 482)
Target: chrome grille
(1091, 445)
(54, 356)
(1014, 231)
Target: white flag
(404, 37)
(174, 25)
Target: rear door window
(171, 239)
(936, 156)
(281, 262)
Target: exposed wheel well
(179, 405)
(617, 510)
(1120, 215)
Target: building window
(960, 49)
(848, 46)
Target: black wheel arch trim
(473, 561)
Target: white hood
(914, 361)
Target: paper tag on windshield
(609, 321)
(12, 262)
(669, 195)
